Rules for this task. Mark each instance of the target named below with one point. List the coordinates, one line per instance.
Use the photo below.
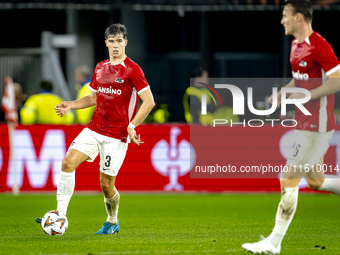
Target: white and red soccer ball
(54, 223)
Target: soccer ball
(54, 223)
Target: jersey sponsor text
(109, 90)
(300, 76)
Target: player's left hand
(133, 136)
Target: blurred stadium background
(168, 39)
(49, 39)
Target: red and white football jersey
(117, 88)
(310, 61)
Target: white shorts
(112, 151)
(309, 147)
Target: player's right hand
(62, 108)
(133, 136)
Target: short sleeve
(93, 83)
(326, 57)
(138, 80)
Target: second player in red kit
(312, 59)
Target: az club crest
(119, 80)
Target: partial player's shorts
(309, 147)
(112, 151)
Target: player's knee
(106, 187)
(289, 182)
(283, 182)
(67, 165)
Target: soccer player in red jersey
(312, 58)
(116, 85)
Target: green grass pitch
(170, 224)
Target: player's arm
(323, 54)
(270, 99)
(331, 86)
(144, 110)
(81, 103)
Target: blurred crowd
(39, 108)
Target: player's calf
(284, 215)
(331, 183)
(112, 205)
(315, 183)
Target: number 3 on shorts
(108, 162)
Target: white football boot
(262, 247)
